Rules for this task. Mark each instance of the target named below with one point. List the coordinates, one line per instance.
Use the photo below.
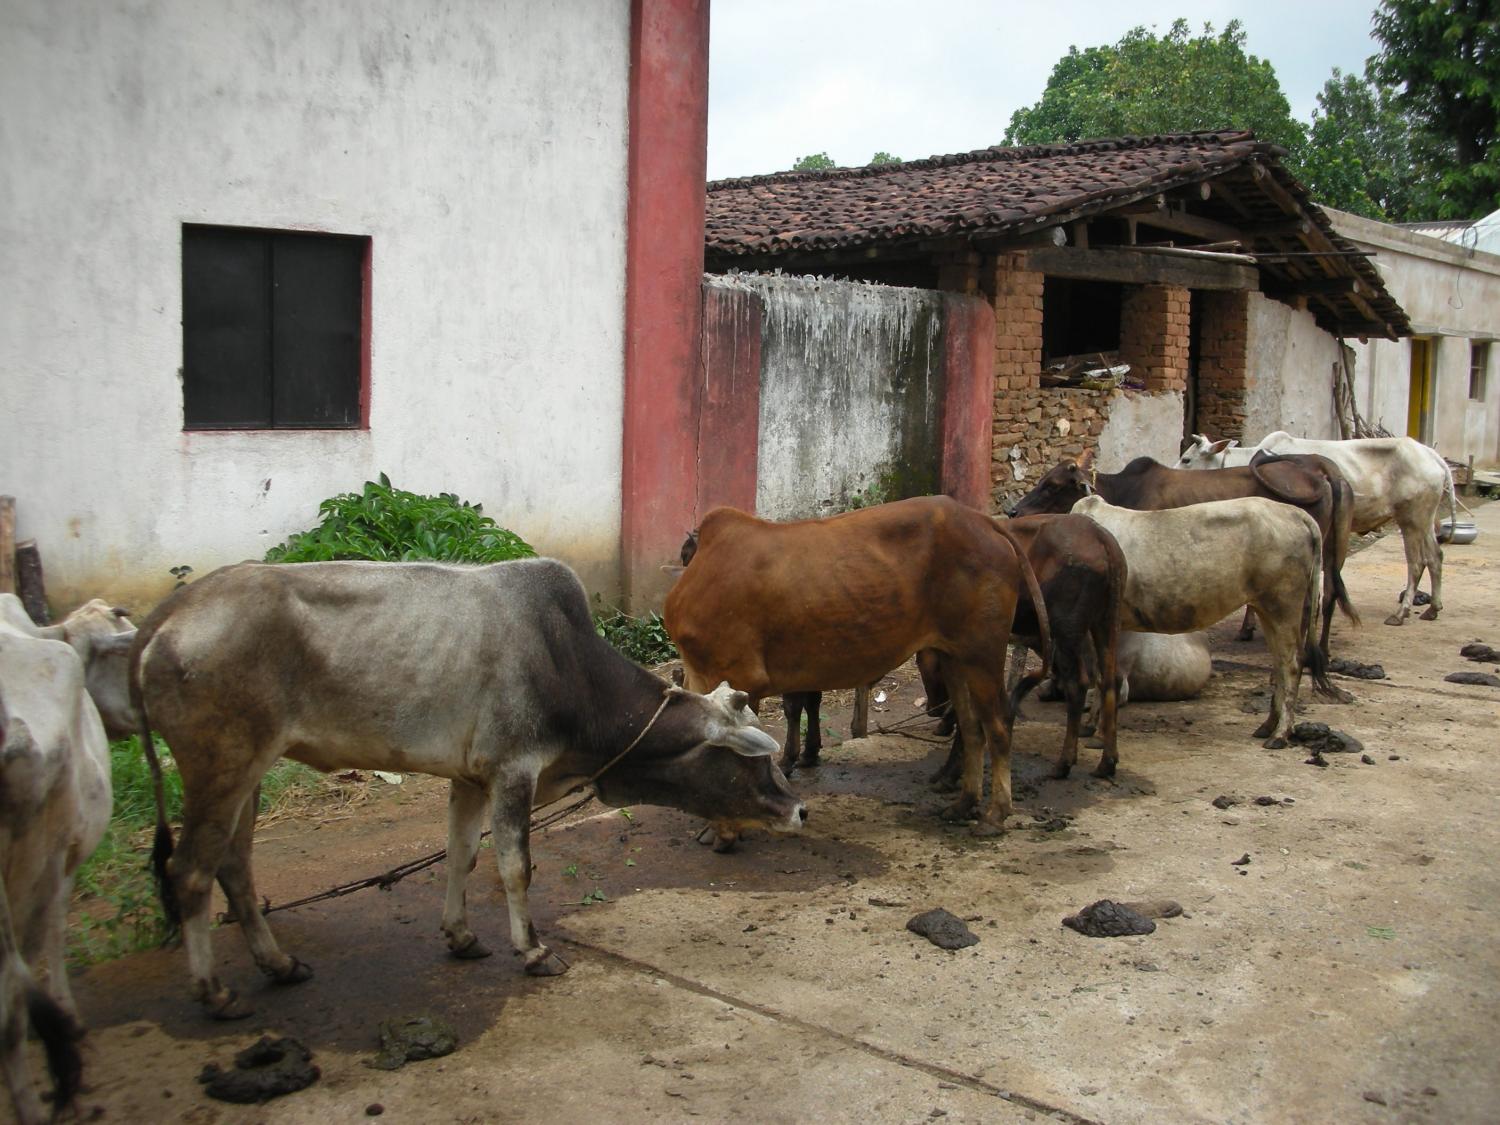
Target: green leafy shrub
(642, 639)
(388, 524)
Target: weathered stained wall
(851, 393)
(1289, 380)
(1452, 296)
(1141, 425)
(480, 144)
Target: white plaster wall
(850, 393)
(1290, 377)
(1141, 425)
(480, 144)
(1452, 295)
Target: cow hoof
(962, 809)
(295, 973)
(1429, 614)
(709, 835)
(725, 843)
(1061, 770)
(1396, 619)
(1264, 729)
(787, 765)
(1105, 769)
(546, 964)
(809, 763)
(471, 950)
(231, 1008)
(988, 828)
(1277, 743)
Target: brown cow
(818, 605)
(1146, 485)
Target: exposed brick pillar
(958, 272)
(1223, 364)
(1154, 327)
(1016, 293)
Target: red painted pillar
(663, 274)
(729, 427)
(968, 399)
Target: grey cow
(490, 676)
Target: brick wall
(1223, 364)
(1154, 327)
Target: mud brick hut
(1196, 261)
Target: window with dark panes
(1479, 363)
(272, 329)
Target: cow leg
(510, 828)
(996, 721)
(812, 746)
(1286, 671)
(208, 826)
(1411, 540)
(1434, 558)
(1247, 626)
(792, 703)
(1070, 674)
(239, 889)
(972, 772)
(466, 805)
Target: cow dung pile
(943, 929)
(266, 1069)
(412, 1039)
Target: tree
(1441, 60)
(1359, 154)
(884, 158)
(1169, 84)
(816, 162)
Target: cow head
(706, 755)
(1203, 453)
(102, 636)
(689, 549)
(1060, 488)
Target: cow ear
(673, 569)
(1086, 462)
(1220, 446)
(738, 701)
(113, 643)
(747, 742)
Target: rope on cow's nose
(388, 879)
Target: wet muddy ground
(1337, 957)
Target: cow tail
(1314, 659)
(56, 1029)
(161, 847)
(1034, 590)
(1256, 464)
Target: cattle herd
(506, 690)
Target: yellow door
(1419, 397)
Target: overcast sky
(917, 78)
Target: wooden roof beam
(1134, 267)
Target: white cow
(1189, 567)
(1393, 479)
(54, 808)
(1158, 667)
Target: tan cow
(1189, 567)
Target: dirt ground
(1347, 972)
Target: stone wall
(1035, 429)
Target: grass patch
(115, 908)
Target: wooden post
(7, 544)
(1469, 479)
(29, 583)
(859, 726)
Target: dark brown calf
(1081, 572)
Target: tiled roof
(991, 190)
(995, 193)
